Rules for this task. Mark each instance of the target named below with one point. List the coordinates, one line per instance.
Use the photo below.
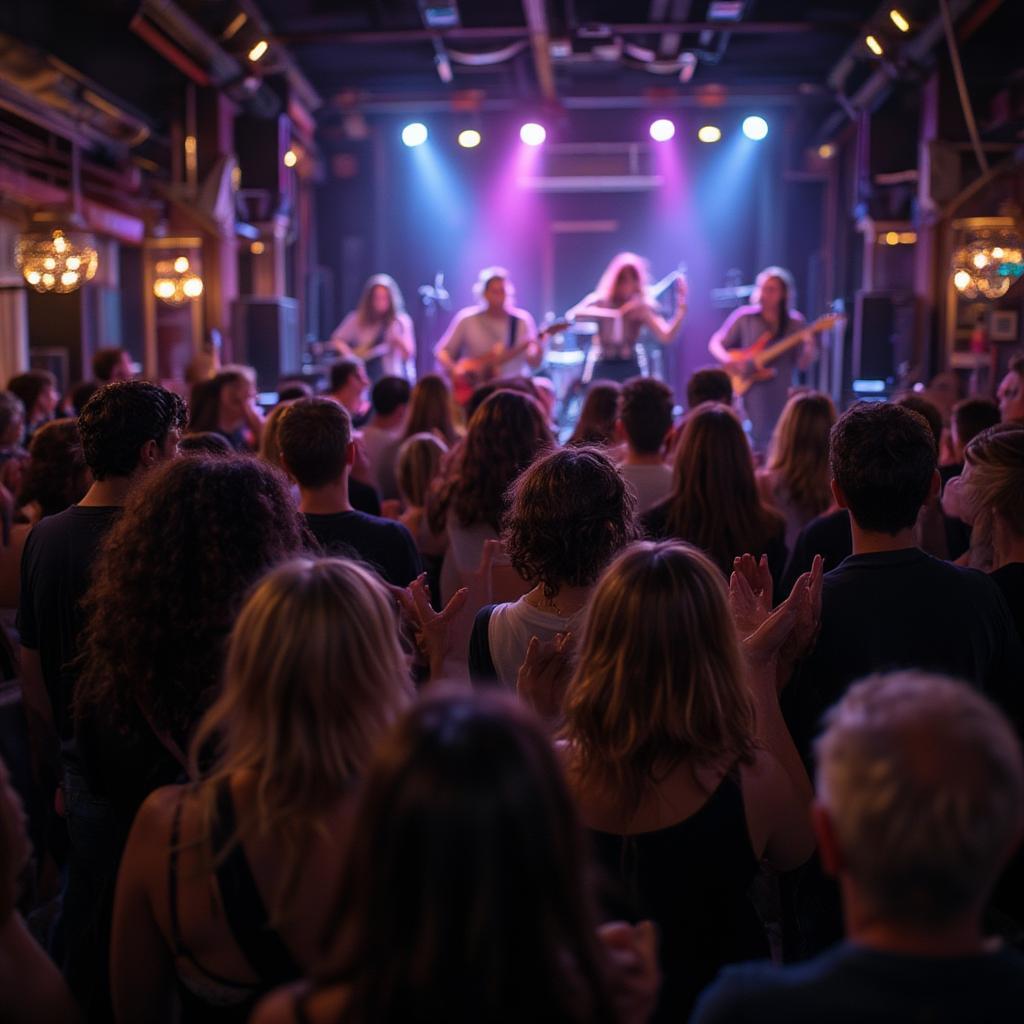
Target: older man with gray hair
(920, 806)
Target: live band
(759, 345)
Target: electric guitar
(472, 371)
(765, 351)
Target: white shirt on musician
(361, 336)
(475, 333)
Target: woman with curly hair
(315, 676)
(570, 514)
(505, 435)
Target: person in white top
(645, 421)
(390, 401)
(378, 330)
(492, 339)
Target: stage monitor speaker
(883, 336)
(265, 336)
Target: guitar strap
(513, 327)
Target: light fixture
(874, 46)
(291, 158)
(826, 151)
(755, 127)
(176, 282)
(257, 248)
(55, 260)
(899, 21)
(414, 134)
(533, 134)
(258, 50)
(709, 133)
(988, 263)
(662, 130)
(892, 238)
(469, 138)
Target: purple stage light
(533, 134)
(662, 130)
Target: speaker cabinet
(883, 336)
(265, 335)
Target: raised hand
(432, 629)
(750, 593)
(544, 674)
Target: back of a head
(289, 390)
(596, 424)
(419, 463)
(973, 415)
(799, 449)
(205, 442)
(929, 411)
(389, 395)
(430, 407)
(995, 481)
(313, 435)
(711, 384)
(120, 418)
(106, 362)
(465, 883)
(659, 677)
(923, 781)
(883, 458)
(570, 513)
(645, 410)
(57, 475)
(341, 371)
(480, 395)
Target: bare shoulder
(157, 810)
(323, 1006)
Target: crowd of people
(378, 708)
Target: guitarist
(493, 339)
(768, 315)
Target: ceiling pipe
(540, 40)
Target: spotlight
(469, 139)
(755, 127)
(258, 50)
(414, 134)
(533, 134)
(291, 158)
(662, 130)
(874, 46)
(899, 21)
(709, 133)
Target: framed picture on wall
(1002, 325)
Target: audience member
(570, 513)
(419, 464)
(711, 384)
(1010, 392)
(289, 390)
(205, 442)
(920, 797)
(347, 386)
(681, 765)
(599, 414)
(970, 417)
(714, 502)
(226, 404)
(523, 385)
(645, 422)
(315, 438)
(390, 399)
(38, 392)
(466, 894)
(796, 479)
(110, 364)
(56, 476)
(254, 850)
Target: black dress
(691, 879)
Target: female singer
(378, 330)
(623, 307)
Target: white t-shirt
(474, 332)
(650, 484)
(361, 337)
(509, 631)
(376, 441)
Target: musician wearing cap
(749, 335)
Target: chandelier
(989, 263)
(56, 261)
(176, 282)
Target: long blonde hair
(606, 286)
(315, 676)
(995, 483)
(270, 445)
(799, 450)
(659, 679)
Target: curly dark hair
(569, 514)
(883, 459)
(57, 475)
(120, 418)
(168, 582)
(505, 435)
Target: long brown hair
(659, 678)
(364, 308)
(714, 502)
(430, 410)
(799, 451)
(596, 424)
(465, 897)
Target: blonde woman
(225, 885)
(796, 479)
(682, 766)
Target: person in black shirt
(920, 803)
(315, 437)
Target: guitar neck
(776, 349)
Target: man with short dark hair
(890, 605)
(347, 386)
(110, 364)
(708, 385)
(645, 419)
(382, 434)
(317, 451)
(920, 804)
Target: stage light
(414, 134)
(258, 50)
(874, 46)
(709, 133)
(899, 21)
(257, 248)
(291, 158)
(826, 151)
(755, 128)
(662, 130)
(469, 139)
(533, 134)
